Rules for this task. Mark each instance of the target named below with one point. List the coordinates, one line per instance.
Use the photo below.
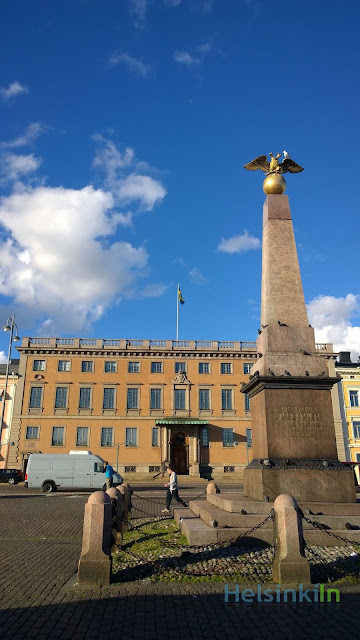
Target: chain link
(322, 527)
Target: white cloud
(331, 319)
(143, 189)
(13, 166)
(3, 357)
(239, 244)
(14, 89)
(155, 290)
(196, 277)
(192, 60)
(184, 57)
(123, 179)
(33, 131)
(53, 261)
(132, 64)
(138, 10)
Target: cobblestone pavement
(40, 541)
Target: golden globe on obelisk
(294, 446)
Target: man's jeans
(173, 494)
(109, 483)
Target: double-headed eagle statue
(274, 182)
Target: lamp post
(10, 326)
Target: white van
(74, 470)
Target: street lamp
(12, 327)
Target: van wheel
(48, 487)
(11, 481)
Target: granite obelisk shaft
(294, 446)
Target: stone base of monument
(332, 484)
(224, 516)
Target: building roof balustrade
(168, 345)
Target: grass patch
(158, 552)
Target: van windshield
(98, 467)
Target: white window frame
(134, 362)
(42, 368)
(58, 426)
(37, 437)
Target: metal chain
(318, 525)
(136, 495)
(158, 563)
(238, 536)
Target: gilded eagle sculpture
(274, 181)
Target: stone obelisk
(294, 447)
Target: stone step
(234, 502)
(210, 513)
(198, 533)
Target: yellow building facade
(7, 396)
(137, 403)
(349, 400)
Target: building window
(134, 367)
(247, 366)
(179, 398)
(85, 398)
(35, 397)
(133, 398)
(357, 455)
(87, 366)
(39, 365)
(204, 399)
(82, 436)
(155, 437)
(204, 437)
(356, 429)
(228, 437)
(106, 436)
(64, 365)
(155, 398)
(248, 438)
(57, 438)
(204, 367)
(156, 367)
(109, 398)
(226, 367)
(247, 402)
(61, 398)
(110, 366)
(180, 367)
(354, 398)
(226, 399)
(130, 436)
(32, 433)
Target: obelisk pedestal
(293, 432)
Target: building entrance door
(179, 460)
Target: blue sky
(124, 128)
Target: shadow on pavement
(180, 612)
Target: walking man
(172, 490)
(109, 473)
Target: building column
(195, 468)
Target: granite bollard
(126, 492)
(95, 558)
(117, 514)
(290, 566)
(212, 488)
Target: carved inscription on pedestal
(299, 422)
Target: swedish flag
(180, 298)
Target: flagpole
(177, 312)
